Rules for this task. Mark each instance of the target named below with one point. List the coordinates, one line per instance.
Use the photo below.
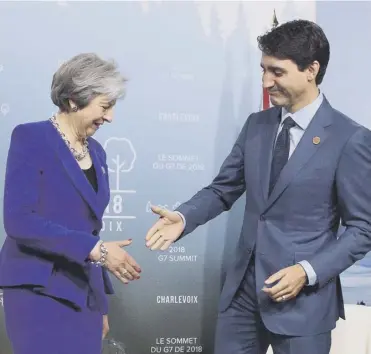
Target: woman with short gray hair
(53, 264)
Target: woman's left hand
(105, 326)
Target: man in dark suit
(303, 166)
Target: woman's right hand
(118, 261)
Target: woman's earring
(74, 109)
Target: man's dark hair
(301, 41)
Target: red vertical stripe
(266, 104)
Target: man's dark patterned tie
(281, 151)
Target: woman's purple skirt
(39, 324)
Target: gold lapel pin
(316, 140)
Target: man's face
(285, 83)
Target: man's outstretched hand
(165, 231)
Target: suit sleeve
(21, 195)
(221, 194)
(353, 180)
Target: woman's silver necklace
(77, 155)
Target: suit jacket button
(95, 232)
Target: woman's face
(92, 117)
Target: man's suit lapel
(269, 126)
(306, 148)
(74, 171)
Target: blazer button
(95, 232)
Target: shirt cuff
(311, 274)
(182, 216)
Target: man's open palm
(165, 231)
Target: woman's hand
(118, 261)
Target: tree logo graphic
(121, 157)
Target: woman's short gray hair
(84, 77)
